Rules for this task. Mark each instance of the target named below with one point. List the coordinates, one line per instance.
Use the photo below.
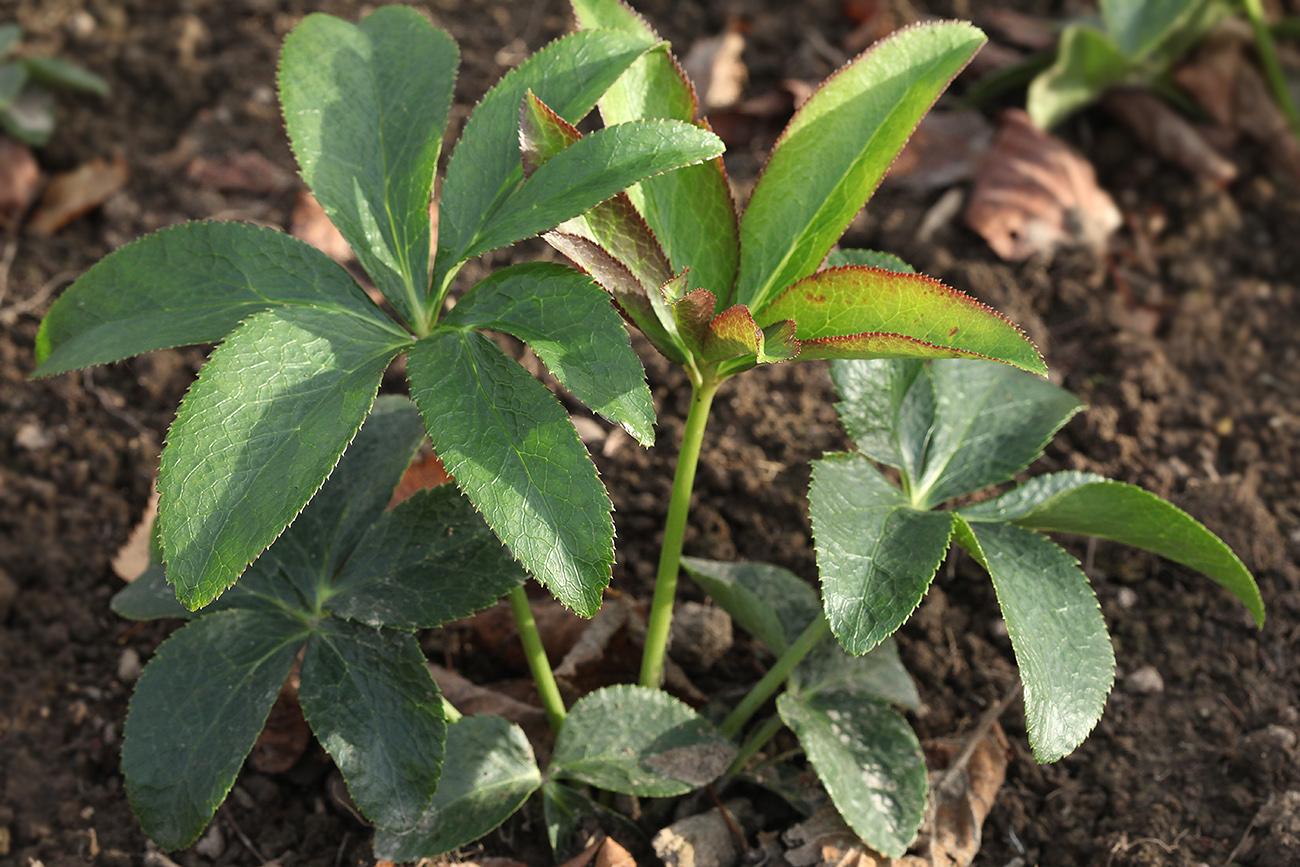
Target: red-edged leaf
(856, 312)
(692, 313)
(779, 342)
(732, 333)
(542, 133)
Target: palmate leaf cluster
(304, 347)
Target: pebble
(128, 667)
(701, 634)
(1126, 597)
(1145, 681)
(211, 844)
(706, 839)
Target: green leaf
(870, 762)
(1140, 27)
(887, 407)
(639, 741)
(375, 708)
(569, 323)
(877, 555)
(1088, 63)
(322, 539)
(588, 172)
(30, 117)
(10, 35)
(149, 597)
(868, 259)
(856, 312)
(366, 107)
(836, 149)
(1062, 648)
(568, 812)
(512, 449)
(770, 603)
(429, 561)
(569, 75)
(196, 713)
(1092, 506)
(12, 78)
(189, 284)
(54, 72)
(877, 674)
(487, 775)
(256, 436)
(991, 422)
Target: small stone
(706, 839)
(701, 634)
(1145, 681)
(589, 430)
(1126, 597)
(211, 844)
(33, 438)
(128, 667)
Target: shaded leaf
(836, 149)
(257, 434)
(1048, 606)
(887, 407)
(877, 674)
(877, 555)
(868, 759)
(195, 715)
(375, 709)
(639, 741)
(365, 107)
(55, 72)
(769, 602)
(188, 284)
(1087, 63)
(487, 775)
(568, 322)
(511, 448)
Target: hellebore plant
(26, 89)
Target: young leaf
(1093, 506)
(512, 449)
(770, 603)
(372, 703)
(1048, 606)
(859, 312)
(877, 554)
(639, 741)
(869, 760)
(568, 322)
(487, 775)
(429, 561)
(1088, 62)
(568, 75)
(1140, 28)
(188, 284)
(887, 407)
(588, 172)
(256, 436)
(365, 107)
(195, 714)
(877, 674)
(838, 146)
(991, 421)
(690, 210)
(54, 72)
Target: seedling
(27, 89)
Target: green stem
(771, 681)
(1272, 67)
(670, 556)
(537, 661)
(757, 739)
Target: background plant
(27, 101)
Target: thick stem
(757, 739)
(670, 556)
(771, 681)
(1272, 67)
(537, 661)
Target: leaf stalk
(538, 664)
(762, 691)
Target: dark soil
(1195, 395)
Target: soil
(1194, 393)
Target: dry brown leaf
(426, 471)
(492, 631)
(286, 735)
(945, 149)
(1168, 134)
(960, 800)
(20, 178)
(876, 20)
(714, 65)
(825, 840)
(1035, 194)
(133, 558)
(472, 700)
(249, 172)
(73, 193)
(309, 223)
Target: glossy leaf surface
(639, 741)
(365, 107)
(1062, 647)
(188, 284)
(256, 436)
(487, 775)
(512, 449)
(375, 708)
(196, 712)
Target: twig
(1241, 844)
(243, 838)
(7, 260)
(976, 734)
(338, 858)
(41, 296)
